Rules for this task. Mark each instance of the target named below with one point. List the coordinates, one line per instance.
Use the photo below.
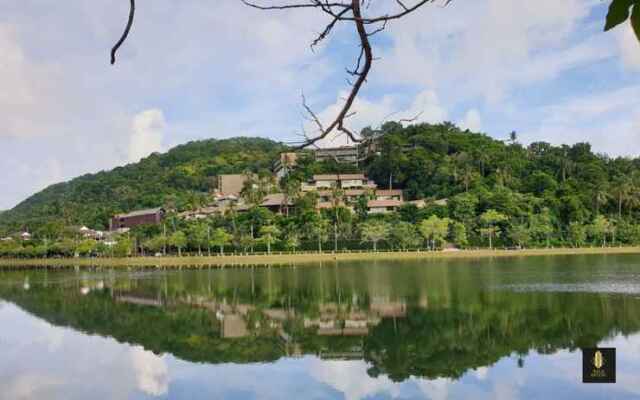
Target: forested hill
(538, 185)
(176, 178)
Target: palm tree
(622, 191)
(468, 176)
(601, 197)
(337, 198)
(291, 190)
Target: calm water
(457, 329)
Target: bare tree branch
(340, 11)
(127, 29)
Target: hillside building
(151, 216)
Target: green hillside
(497, 192)
(177, 178)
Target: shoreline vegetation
(293, 259)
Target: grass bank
(302, 258)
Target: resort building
(342, 155)
(141, 217)
(285, 164)
(342, 181)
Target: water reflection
(392, 330)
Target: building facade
(140, 217)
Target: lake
(504, 328)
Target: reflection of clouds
(481, 373)
(351, 378)
(436, 389)
(152, 374)
(38, 360)
(31, 386)
(41, 361)
(627, 361)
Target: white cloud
(487, 48)
(147, 133)
(609, 120)
(472, 121)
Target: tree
(622, 192)
(86, 247)
(489, 221)
(620, 11)
(462, 207)
(542, 225)
(268, 235)
(292, 241)
(434, 229)
(246, 242)
(519, 234)
(577, 233)
(320, 229)
(458, 234)
(254, 189)
(178, 240)
(374, 231)
(600, 228)
(123, 247)
(405, 235)
(198, 236)
(601, 197)
(154, 244)
(220, 238)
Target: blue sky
(199, 69)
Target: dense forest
(478, 191)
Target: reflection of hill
(438, 331)
(448, 342)
(187, 332)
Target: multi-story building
(135, 218)
(341, 181)
(342, 155)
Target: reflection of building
(139, 300)
(234, 326)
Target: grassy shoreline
(302, 258)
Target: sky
(197, 69)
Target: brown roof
(274, 199)
(335, 177)
(384, 203)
